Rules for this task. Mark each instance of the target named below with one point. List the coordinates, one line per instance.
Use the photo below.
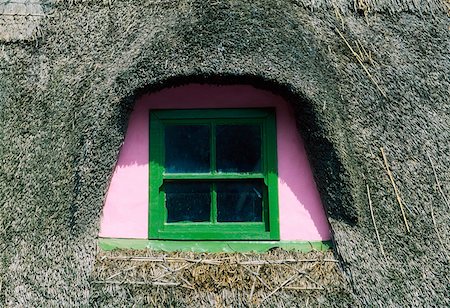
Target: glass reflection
(238, 148)
(187, 148)
(188, 201)
(239, 201)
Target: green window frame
(159, 228)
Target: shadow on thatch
(329, 172)
(220, 279)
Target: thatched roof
(362, 79)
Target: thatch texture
(217, 280)
(358, 81)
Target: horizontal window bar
(216, 225)
(212, 176)
(216, 235)
(233, 227)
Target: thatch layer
(382, 80)
(217, 280)
(20, 19)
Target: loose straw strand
(437, 233)
(253, 286)
(397, 194)
(437, 182)
(374, 223)
(360, 62)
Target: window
(213, 175)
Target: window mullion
(213, 203)
(213, 171)
(212, 150)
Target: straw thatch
(219, 280)
(361, 75)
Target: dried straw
(252, 278)
(360, 61)
(397, 194)
(438, 183)
(374, 223)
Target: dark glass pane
(188, 201)
(239, 201)
(187, 148)
(238, 148)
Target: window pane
(239, 201)
(187, 148)
(188, 201)
(238, 148)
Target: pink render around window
(125, 211)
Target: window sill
(212, 246)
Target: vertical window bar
(212, 150)
(266, 217)
(264, 151)
(213, 203)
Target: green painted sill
(211, 246)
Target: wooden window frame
(266, 230)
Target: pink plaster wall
(125, 212)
